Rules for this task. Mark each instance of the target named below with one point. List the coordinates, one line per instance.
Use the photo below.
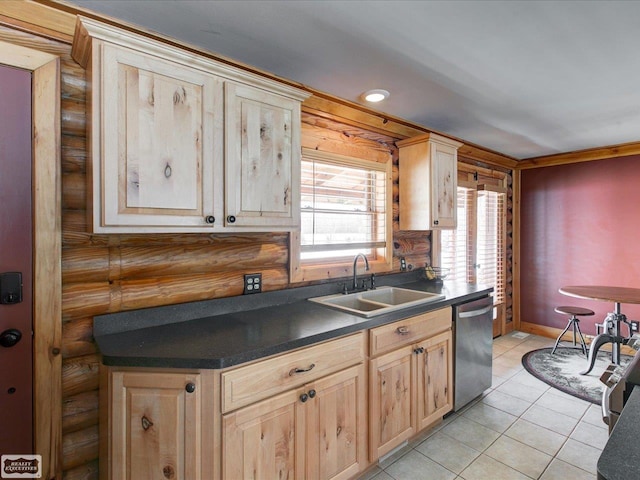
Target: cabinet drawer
(404, 332)
(246, 385)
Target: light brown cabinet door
(262, 158)
(434, 389)
(444, 185)
(265, 440)
(336, 425)
(159, 128)
(156, 426)
(391, 404)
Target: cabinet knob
(403, 330)
(304, 397)
(312, 393)
(190, 387)
(418, 350)
(435, 222)
(231, 219)
(210, 219)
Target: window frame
(302, 271)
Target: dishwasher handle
(475, 313)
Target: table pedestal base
(611, 335)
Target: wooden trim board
(47, 289)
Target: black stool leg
(560, 336)
(584, 344)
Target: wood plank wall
(112, 273)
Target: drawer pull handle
(293, 371)
(403, 330)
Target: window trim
(328, 269)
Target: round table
(611, 332)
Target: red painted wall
(580, 226)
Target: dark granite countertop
(620, 459)
(229, 331)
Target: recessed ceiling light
(376, 95)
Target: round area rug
(562, 371)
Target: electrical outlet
(252, 283)
(403, 264)
(634, 326)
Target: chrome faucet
(355, 272)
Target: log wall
(112, 273)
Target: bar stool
(575, 312)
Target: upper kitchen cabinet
(262, 158)
(428, 182)
(161, 139)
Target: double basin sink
(371, 303)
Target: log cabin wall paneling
(112, 273)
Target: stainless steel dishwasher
(473, 346)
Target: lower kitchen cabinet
(326, 411)
(314, 431)
(434, 379)
(392, 407)
(155, 427)
(410, 386)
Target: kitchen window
(345, 207)
(475, 251)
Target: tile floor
(520, 428)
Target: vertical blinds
(474, 252)
(342, 208)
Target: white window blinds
(475, 251)
(343, 207)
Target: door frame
(47, 250)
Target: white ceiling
(524, 78)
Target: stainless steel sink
(377, 302)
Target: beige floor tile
(485, 468)
(496, 381)
(506, 371)
(525, 378)
(580, 455)
(499, 349)
(471, 433)
(536, 436)
(507, 403)
(555, 421)
(490, 417)
(523, 392)
(591, 435)
(382, 475)
(416, 465)
(448, 452)
(373, 473)
(593, 416)
(508, 361)
(559, 470)
(519, 456)
(573, 407)
(394, 456)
